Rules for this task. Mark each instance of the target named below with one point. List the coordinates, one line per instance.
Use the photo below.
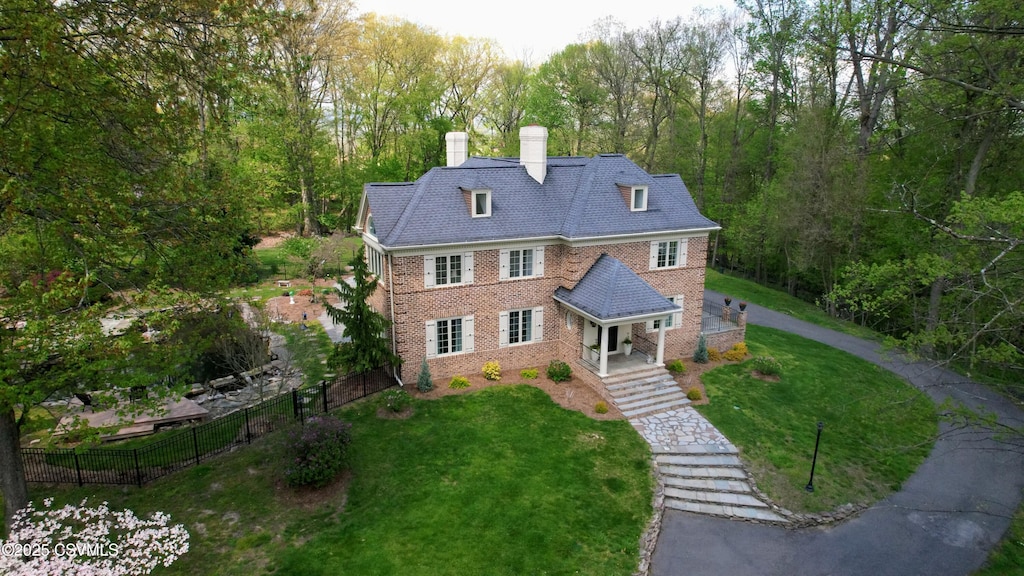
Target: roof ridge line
(583, 184)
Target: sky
(533, 29)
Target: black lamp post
(814, 461)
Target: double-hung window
(521, 326)
(521, 263)
(668, 254)
(449, 336)
(673, 320)
(448, 269)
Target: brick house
(526, 260)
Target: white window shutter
(650, 325)
(503, 265)
(682, 252)
(431, 338)
(467, 333)
(538, 324)
(502, 329)
(467, 268)
(538, 261)
(428, 271)
(677, 318)
(654, 255)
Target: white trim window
(447, 269)
(520, 326)
(481, 200)
(672, 321)
(638, 199)
(668, 254)
(375, 261)
(521, 263)
(448, 336)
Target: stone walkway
(700, 469)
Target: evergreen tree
(368, 346)
(424, 383)
(700, 355)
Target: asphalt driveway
(944, 521)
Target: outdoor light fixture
(810, 483)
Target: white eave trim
(585, 241)
(622, 320)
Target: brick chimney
(457, 147)
(533, 151)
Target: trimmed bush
(767, 365)
(424, 383)
(528, 373)
(601, 407)
(492, 371)
(700, 355)
(675, 366)
(714, 355)
(559, 371)
(395, 400)
(458, 382)
(737, 353)
(317, 451)
(693, 394)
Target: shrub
(737, 353)
(694, 394)
(714, 355)
(528, 373)
(395, 400)
(424, 383)
(317, 451)
(768, 366)
(492, 371)
(458, 382)
(559, 371)
(700, 355)
(601, 407)
(675, 366)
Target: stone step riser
(758, 514)
(659, 385)
(656, 408)
(707, 485)
(696, 449)
(648, 399)
(700, 460)
(625, 382)
(707, 472)
(719, 498)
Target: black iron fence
(718, 318)
(192, 445)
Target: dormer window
(638, 199)
(481, 203)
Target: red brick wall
(487, 296)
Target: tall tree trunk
(12, 472)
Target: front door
(612, 342)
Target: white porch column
(603, 369)
(659, 359)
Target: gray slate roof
(579, 199)
(611, 290)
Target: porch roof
(610, 290)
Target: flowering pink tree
(84, 541)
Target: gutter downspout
(391, 302)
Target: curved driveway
(944, 521)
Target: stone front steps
(709, 479)
(645, 392)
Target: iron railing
(718, 318)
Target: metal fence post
(195, 444)
(323, 388)
(138, 471)
(248, 432)
(296, 406)
(78, 468)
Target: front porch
(619, 364)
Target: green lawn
(1007, 559)
(878, 428)
(740, 289)
(501, 481)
